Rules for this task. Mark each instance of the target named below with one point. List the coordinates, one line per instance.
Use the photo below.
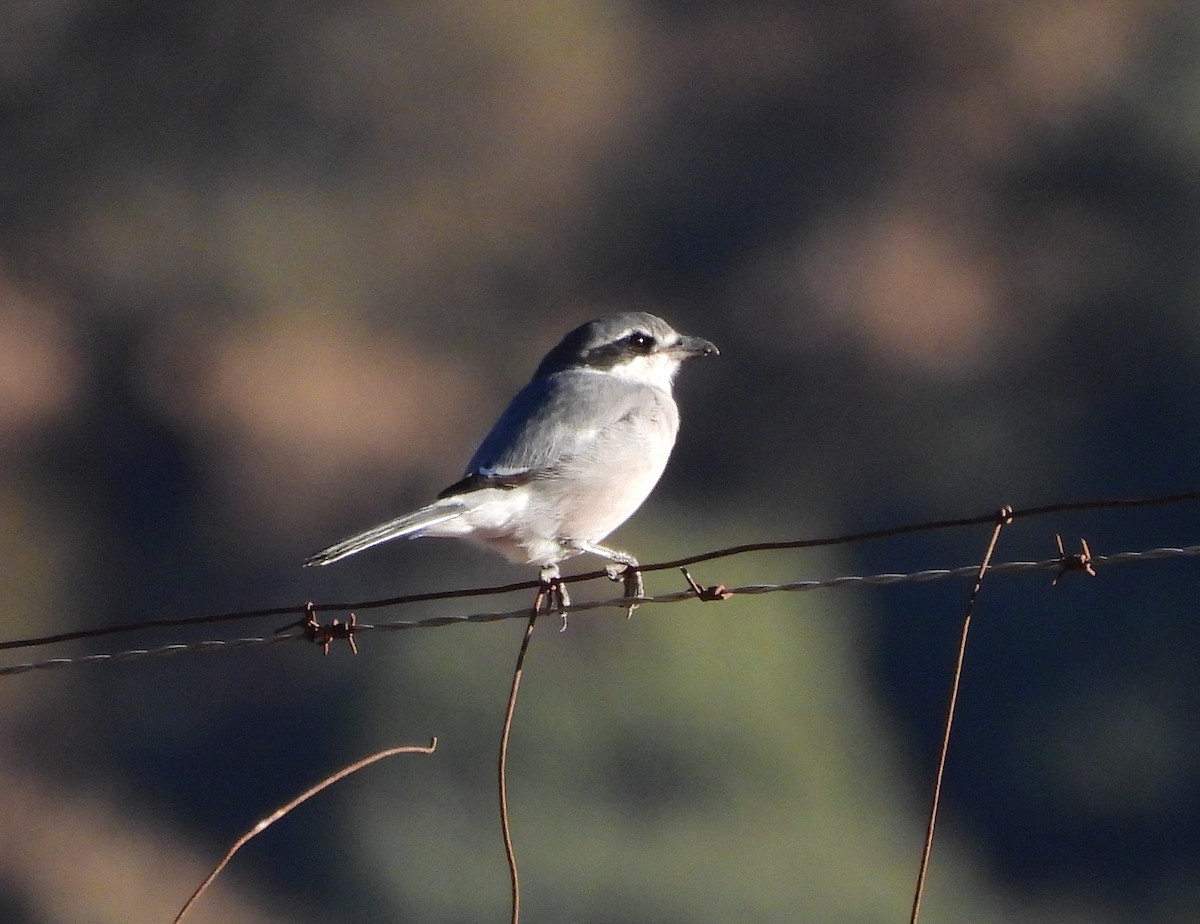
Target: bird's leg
(552, 595)
(624, 567)
(629, 573)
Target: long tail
(410, 524)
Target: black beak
(696, 346)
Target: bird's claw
(631, 575)
(552, 595)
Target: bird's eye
(640, 342)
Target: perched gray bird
(575, 454)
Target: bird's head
(632, 345)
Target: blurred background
(267, 273)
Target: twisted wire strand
(877, 580)
(907, 529)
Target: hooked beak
(695, 346)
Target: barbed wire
(499, 589)
(1057, 564)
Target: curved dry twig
(284, 809)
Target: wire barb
(1076, 561)
(325, 635)
(706, 592)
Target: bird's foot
(630, 573)
(552, 595)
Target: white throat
(656, 370)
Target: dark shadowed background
(269, 270)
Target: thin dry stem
(502, 762)
(1002, 519)
(284, 809)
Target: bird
(574, 455)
